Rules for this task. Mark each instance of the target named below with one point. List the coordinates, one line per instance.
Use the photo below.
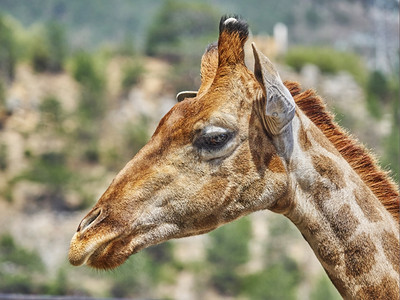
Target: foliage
(90, 22)
(185, 75)
(278, 281)
(8, 51)
(132, 73)
(51, 112)
(327, 60)
(49, 48)
(2, 97)
(86, 72)
(58, 48)
(59, 285)
(324, 289)
(51, 170)
(126, 47)
(381, 90)
(281, 275)
(178, 24)
(180, 33)
(3, 157)
(155, 265)
(392, 142)
(227, 251)
(18, 267)
(312, 17)
(136, 135)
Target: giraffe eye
(213, 138)
(215, 141)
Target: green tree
(281, 275)
(49, 48)
(8, 50)
(392, 142)
(132, 73)
(19, 267)
(127, 46)
(278, 281)
(51, 112)
(228, 250)
(3, 157)
(328, 60)
(86, 72)
(324, 289)
(50, 169)
(155, 265)
(58, 46)
(178, 25)
(2, 98)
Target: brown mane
(360, 159)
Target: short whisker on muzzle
(89, 220)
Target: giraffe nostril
(89, 219)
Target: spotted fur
(360, 159)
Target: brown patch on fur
(320, 193)
(343, 223)
(356, 155)
(359, 256)
(262, 152)
(251, 192)
(274, 164)
(391, 247)
(326, 247)
(390, 288)
(327, 251)
(313, 228)
(327, 168)
(387, 289)
(214, 191)
(368, 208)
(241, 165)
(304, 142)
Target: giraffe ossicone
(247, 142)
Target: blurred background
(83, 85)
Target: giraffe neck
(352, 234)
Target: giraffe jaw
(84, 250)
(113, 250)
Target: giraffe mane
(359, 158)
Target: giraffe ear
(280, 105)
(185, 94)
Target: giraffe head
(211, 160)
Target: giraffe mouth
(111, 254)
(104, 253)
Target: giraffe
(246, 142)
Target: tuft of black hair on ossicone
(238, 25)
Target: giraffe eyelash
(213, 142)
